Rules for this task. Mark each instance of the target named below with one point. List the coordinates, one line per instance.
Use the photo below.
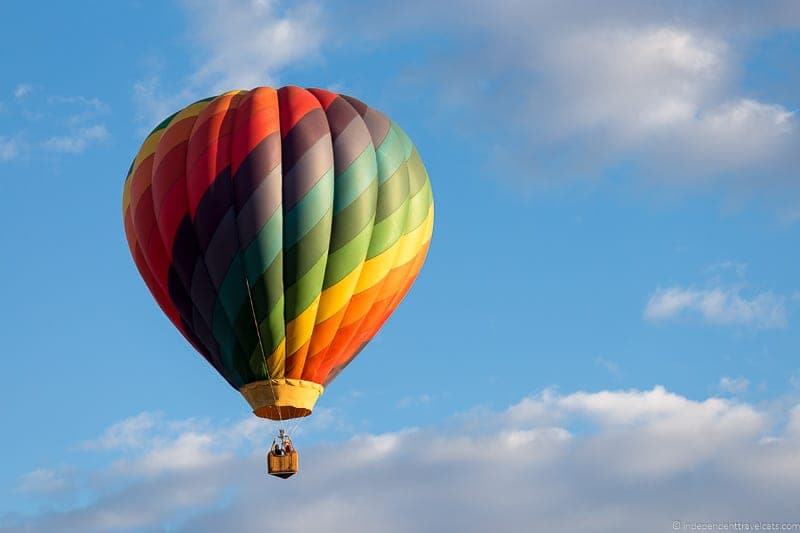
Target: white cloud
(664, 92)
(42, 480)
(188, 451)
(22, 90)
(77, 114)
(733, 385)
(250, 41)
(153, 104)
(132, 432)
(617, 461)
(577, 89)
(611, 366)
(9, 149)
(78, 141)
(93, 103)
(414, 400)
(721, 306)
(248, 44)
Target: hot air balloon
(278, 229)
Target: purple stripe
(350, 144)
(222, 248)
(258, 209)
(307, 171)
(261, 160)
(303, 136)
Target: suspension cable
(261, 346)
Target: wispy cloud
(718, 305)
(417, 400)
(610, 366)
(733, 385)
(42, 481)
(9, 148)
(77, 116)
(249, 44)
(130, 433)
(650, 457)
(577, 89)
(22, 90)
(78, 141)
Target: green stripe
(348, 257)
(392, 193)
(230, 353)
(273, 322)
(267, 293)
(408, 146)
(351, 221)
(417, 176)
(418, 208)
(300, 295)
(164, 123)
(351, 183)
(388, 231)
(300, 258)
(308, 211)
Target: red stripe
(141, 181)
(174, 207)
(324, 97)
(209, 147)
(294, 103)
(256, 119)
(168, 172)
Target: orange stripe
(209, 147)
(393, 302)
(256, 119)
(174, 135)
(321, 341)
(350, 337)
(294, 103)
(336, 352)
(294, 362)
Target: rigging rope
(261, 346)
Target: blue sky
(617, 217)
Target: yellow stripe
(335, 297)
(277, 361)
(413, 241)
(405, 248)
(148, 148)
(188, 112)
(126, 196)
(375, 269)
(299, 330)
(150, 144)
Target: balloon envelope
(278, 230)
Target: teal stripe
(265, 247)
(353, 181)
(232, 292)
(308, 211)
(229, 354)
(390, 155)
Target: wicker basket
(282, 466)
